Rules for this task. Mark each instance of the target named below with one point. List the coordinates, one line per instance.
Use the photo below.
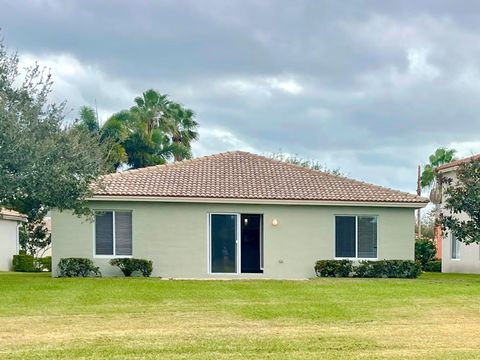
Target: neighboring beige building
(9, 221)
(237, 215)
(458, 257)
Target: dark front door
(251, 243)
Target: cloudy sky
(370, 87)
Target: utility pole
(419, 193)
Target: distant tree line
(306, 163)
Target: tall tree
(146, 149)
(439, 157)
(463, 197)
(88, 120)
(153, 131)
(110, 136)
(114, 132)
(43, 163)
(149, 109)
(182, 128)
(159, 129)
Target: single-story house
(457, 257)
(237, 215)
(9, 245)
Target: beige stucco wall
(175, 236)
(469, 260)
(8, 243)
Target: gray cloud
(371, 87)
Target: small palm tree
(439, 157)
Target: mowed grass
(434, 317)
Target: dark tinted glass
(345, 236)
(223, 243)
(104, 233)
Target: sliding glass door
(223, 243)
(236, 243)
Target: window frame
(114, 255)
(356, 216)
(457, 246)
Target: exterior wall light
(274, 222)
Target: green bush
(425, 251)
(128, 266)
(44, 263)
(23, 263)
(77, 267)
(434, 266)
(333, 268)
(388, 269)
(368, 268)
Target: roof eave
(13, 218)
(415, 205)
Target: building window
(356, 237)
(455, 247)
(113, 233)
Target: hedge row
(368, 268)
(27, 263)
(433, 266)
(82, 267)
(24, 263)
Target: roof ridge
(458, 162)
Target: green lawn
(434, 317)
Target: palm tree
(151, 132)
(116, 131)
(439, 157)
(88, 120)
(180, 125)
(150, 108)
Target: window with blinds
(356, 237)
(113, 233)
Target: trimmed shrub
(388, 269)
(368, 268)
(425, 251)
(77, 267)
(23, 263)
(129, 265)
(333, 268)
(434, 266)
(44, 263)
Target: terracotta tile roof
(458, 162)
(12, 215)
(242, 175)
